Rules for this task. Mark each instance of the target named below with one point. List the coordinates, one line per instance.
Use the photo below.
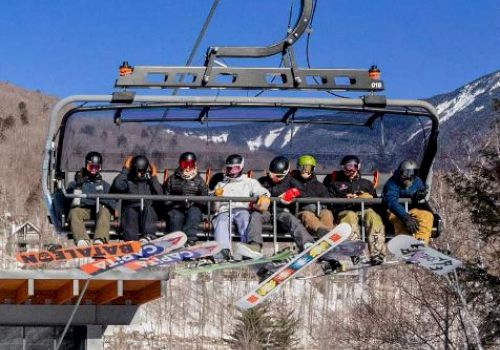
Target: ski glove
(262, 204)
(411, 224)
(419, 195)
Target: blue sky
(423, 47)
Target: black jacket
(90, 185)
(176, 185)
(341, 186)
(311, 188)
(124, 183)
(277, 189)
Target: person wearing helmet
(348, 183)
(280, 183)
(138, 177)
(405, 183)
(312, 188)
(186, 181)
(88, 180)
(236, 184)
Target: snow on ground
(273, 134)
(477, 109)
(255, 144)
(222, 138)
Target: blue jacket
(395, 189)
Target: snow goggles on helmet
(187, 164)
(408, 173)
(93, 168)
(234, 169)
(353, 166)
(277, 177)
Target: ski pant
(374, 226)
(313, 223)
(136, 223)
(286, 222)
(78, 215)
(185, 220)
(240, 217)
(425, 220)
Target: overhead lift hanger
(288, 77)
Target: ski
(414, 251)
(287, 272)
(284, 255)
(105, 250)
(158, 246)
(197, 251)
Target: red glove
(290, 194)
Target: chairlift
(381, 131)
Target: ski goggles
(234, 169)
(187, 164)
(351, 166)
(93, 168)
(408, 173)
(277, 177)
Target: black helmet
(93, 163)
(187, 160)
(140, 167)
(234, 165)
(279, 167)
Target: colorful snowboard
(158, 246)
(287, 272)
(197, 251)
(105, 250)
(412, 250)
(284, 255)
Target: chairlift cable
(308, 39)
(200, 36)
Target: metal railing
(208, 200)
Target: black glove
(411, 224)
(419, 195)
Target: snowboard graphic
(284, 255)
(197, 251)
(287, 272)
(412, 250)
(158, 246)
(105, 250)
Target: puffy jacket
(311, 188)
(176, 185)
(341, 186)
(394, 189)
(124, 183)
(277, 189)
(90, 185)
(241, 186)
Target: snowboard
(197, 251)
(105, 250)
(346, 249)
(351, 269)
(158, 246)
(414, 251)
(270, 285)
(284, 255)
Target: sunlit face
(306, 171)
(407, 176)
